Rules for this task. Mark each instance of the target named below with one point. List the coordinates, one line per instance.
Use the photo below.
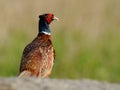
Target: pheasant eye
(47, 17)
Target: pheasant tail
(25, 74)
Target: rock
(54, 84)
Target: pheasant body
(38, 56)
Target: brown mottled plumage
(38, 56)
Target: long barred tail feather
(24, 74)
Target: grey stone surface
(54, 84)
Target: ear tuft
(40, 16)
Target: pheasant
(38, 56)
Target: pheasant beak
(55, 18)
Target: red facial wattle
(49, 18)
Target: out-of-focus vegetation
(86, 38)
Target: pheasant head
(44, 22)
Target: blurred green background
(86, 39)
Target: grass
(98, 60)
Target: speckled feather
(38, 56)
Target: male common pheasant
(38, 56)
